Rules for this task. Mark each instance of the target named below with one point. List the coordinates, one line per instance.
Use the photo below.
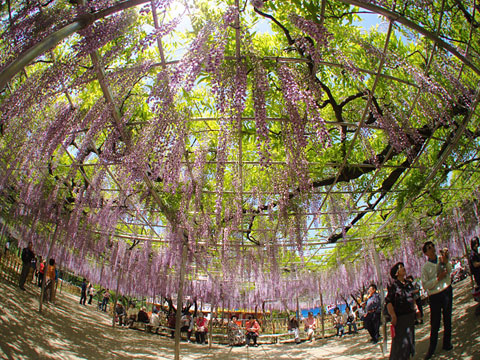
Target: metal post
(178, 315)
(382, 297)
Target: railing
(11, 267)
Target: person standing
(50, 277)
(372, 313)
(474, 260)
(27, 257)
(83, 294)
(436, 281)
(40, 270)
(402, 308)
(7, 247)
(106, 298)
(91, 293)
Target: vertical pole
(157, 25)
(210, 326)
(239, 119)
(382, 297)
(178, 315)
(298, 309)
(42, 291)
(322, 310)
(464, 244)
(1, 239)
(4, 227)
(116, 295)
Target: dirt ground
(68, 330)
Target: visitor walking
(90, 292)
(105, 300)
(372, 313)
(50, 277)
(402, 308)
(83, 294)
(436, 280)
(27, 257)
(40, 270)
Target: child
(443, 260)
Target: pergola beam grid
(398, 18)
(362, 120)
(417, 95)
(440, 161)
(280, 59)
(412, 107)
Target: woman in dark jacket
(402, 308)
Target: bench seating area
(219, 338)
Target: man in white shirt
(436, 281)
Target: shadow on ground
(68, 330)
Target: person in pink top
(201, 326)
(310, 326)
(253, 328)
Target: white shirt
(429, 278)
(154, 320)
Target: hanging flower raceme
(319, 40)
(260, 88)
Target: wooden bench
(139, 325)
(276, 337)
